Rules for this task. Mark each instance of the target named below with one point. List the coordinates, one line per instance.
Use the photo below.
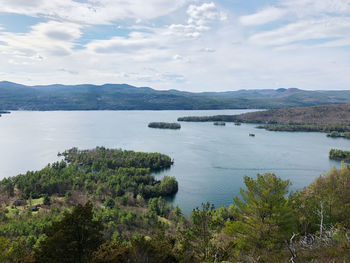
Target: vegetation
(125, 97)
(306, 128)
(164, 125)
(220, 123)
(336, 134)
(329, 118)
(91, 223)
(340, 155)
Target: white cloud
(134, 42)
(190, 49)
(200, 17)
(264, 16)
(316, 29)
(55, 38)
(312, 7)
(92, 11)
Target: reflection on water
(210, 161)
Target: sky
(189, 45)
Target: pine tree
(264, 216)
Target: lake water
(210, 161)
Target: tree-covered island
(219, 123)
(103, 205)
(165, 125)
(340, 155)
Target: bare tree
(291, 248)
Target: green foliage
(101, 158)
(165, 125)
(202, 228)
(168, 186)
(113, 252)
(72, 239)
(158, 206)
(333, 192)
(219, 123)
(141, 249)
(331, 129)
(341, 155)
(105, 172)
(46, 200)
(139, 226)
(109, 202)
(264, 216)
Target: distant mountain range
(15, 96)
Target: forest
(326, 118)
(14, 96)
(104, 205)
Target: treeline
(105, 172)
(164, 125)
(219, 123)
(340, 155)
(328, 118)
(336, 134)
(266, 223)
(331, 129)
(216, 118)
(15, 96)
(101, 158)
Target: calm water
(210, 161)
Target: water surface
(210, 161)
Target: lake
(210, 161)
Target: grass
(13, 210)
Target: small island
(340, 155)
(220, 123)
(165, 125)
(335, 134)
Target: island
(335, 134)
(340, 155)
(104, 205)
(165, 125)
(219, 123)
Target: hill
(325, 118)
(104, 205)
(15, 96)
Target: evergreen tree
(264, 215)
(73, 239)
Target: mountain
(15, 96)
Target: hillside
(325, 118)
(103, 205)
(15, 96)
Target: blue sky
(188, 45)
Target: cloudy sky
(188, 45)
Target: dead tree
(291, 248)
(320, 213)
